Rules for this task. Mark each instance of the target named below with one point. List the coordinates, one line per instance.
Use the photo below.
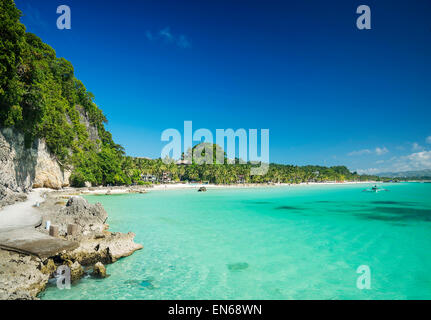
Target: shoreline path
(18, 233)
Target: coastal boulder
(103, 247)
(48, 267)
(76, 271)
(99, 270)
(88, 217)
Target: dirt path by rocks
(22, 214)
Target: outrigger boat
(374, 188)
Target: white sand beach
(189, 186)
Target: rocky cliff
(22, 168)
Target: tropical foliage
(41, 97)
(238, 173)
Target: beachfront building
(148, 178)
(241, 179)
(166, 177)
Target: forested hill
(41, 97)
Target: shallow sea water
(299, 242)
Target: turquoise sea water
(301, 242)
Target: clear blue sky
(329, 93)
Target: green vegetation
(238, 173)
(41, 97)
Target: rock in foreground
(105, 247)
(21, 277)
(88, 217)
(24, 276)
(99, 270)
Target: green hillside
(41, 97)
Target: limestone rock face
(48, 173)
(22, 168)
(17, 164)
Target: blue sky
(329, 93)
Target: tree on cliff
(41, 97)
(11, 47)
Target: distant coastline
(102, 190)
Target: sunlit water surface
(300, 242)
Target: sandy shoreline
(182, 186)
